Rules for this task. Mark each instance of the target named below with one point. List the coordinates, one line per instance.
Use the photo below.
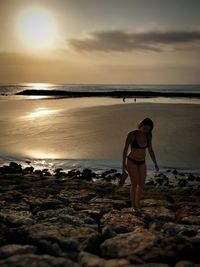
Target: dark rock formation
(68, 220)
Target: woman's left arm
(152, 154)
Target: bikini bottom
(136, 162)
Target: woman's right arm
(127, 143)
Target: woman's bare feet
(135, 211)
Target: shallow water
(90, 132)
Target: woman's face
(145, 128)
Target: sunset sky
(100, 41)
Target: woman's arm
(152, 155)
(127, 143)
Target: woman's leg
(141, 182)
(134, 176)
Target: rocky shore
(33, 92)
(80, 218)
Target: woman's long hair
(147, 121)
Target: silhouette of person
(134, 163)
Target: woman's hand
(123, 177)
(124, 169)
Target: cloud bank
(122, 41)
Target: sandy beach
(95, 129)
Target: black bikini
(136, 162)
(136, 145)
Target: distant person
(135, 99)
(134, 163)
(124, 99)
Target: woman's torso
(138, 145)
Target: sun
(37, 28)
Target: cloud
(122, 41)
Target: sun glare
(37, 28)
(43, 86)
(40, 112)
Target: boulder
(33, 260)
(91, 260)
(122, 221)
(13, 218)
(188, 215)
(58, 239)
(16, 249)
(143, 246)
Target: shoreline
(169, 178)
(117, 94)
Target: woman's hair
(146, 121)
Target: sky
(100, 41)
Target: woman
(134, 163)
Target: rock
(70, 219)
(16, 218)
(159, 213)
(67, 215)
(28, 170)
(124, 245)
(188, 215)
(3, 233)
(90, 260)
(198, 178)
(73, 173)
(14, 165)
(174, 229)
(143, 246)
(43, 203)
(38, 172)
(153, 264)
(152, 202)
(175, 172)
(32, 260)
(108, 173)
(122, 221)
(58, 170)
(184, 264)
(113, 175)
(107, 232)
(151, 182)
(16, 249)
(13, 168)
(182, 182)
(87, 174)
(68, 239)
(109, 203)
(191, 177)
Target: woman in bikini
(134, 163)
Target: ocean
(11, 89)
(90, 132)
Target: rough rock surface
(68, 220)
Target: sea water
(64, 133)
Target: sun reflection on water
(37, 86)
(40, 112)
(42, 155)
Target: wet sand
(77, 129)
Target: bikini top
(136, 145)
